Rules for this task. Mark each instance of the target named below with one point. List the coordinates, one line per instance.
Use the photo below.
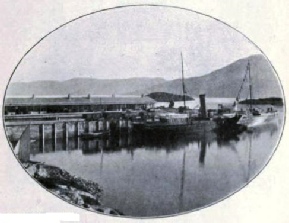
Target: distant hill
(167, 97)
(82, 86)
(226, 81)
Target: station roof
(36, 101)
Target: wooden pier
(42, 130)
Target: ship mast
(248, 72)
(183, 83)
(250, 85)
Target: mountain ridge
(81, 86)
(223, 82)
(226, 81)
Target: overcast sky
(135, 42)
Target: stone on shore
(73, 189)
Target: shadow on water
(135, 140)
(181, 171)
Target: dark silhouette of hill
(226, 82)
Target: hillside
(222, 83)
(82, 86)
(226, 81)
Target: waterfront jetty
(66, 128)
(48, 124)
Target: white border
(24, 22)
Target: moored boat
(254, 116)
(185, 120)
(168, 120)
(228, 124)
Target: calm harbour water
(148, 175)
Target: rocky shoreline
(73, 189)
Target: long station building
(66, 104)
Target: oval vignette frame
(163, 6)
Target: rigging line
(189, 92)
(242, 85)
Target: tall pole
(250, 85)
(183, 83)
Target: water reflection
(181, 199)
(132, 141)
(203, 151)
(149, 174)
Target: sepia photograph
(144, 111)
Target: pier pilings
(43, 130)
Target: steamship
(168, 120)
(184, 119)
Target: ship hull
(251, 121)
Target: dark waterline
(150, 175)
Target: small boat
(227, 121)
(94, 135)
(228, 124)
